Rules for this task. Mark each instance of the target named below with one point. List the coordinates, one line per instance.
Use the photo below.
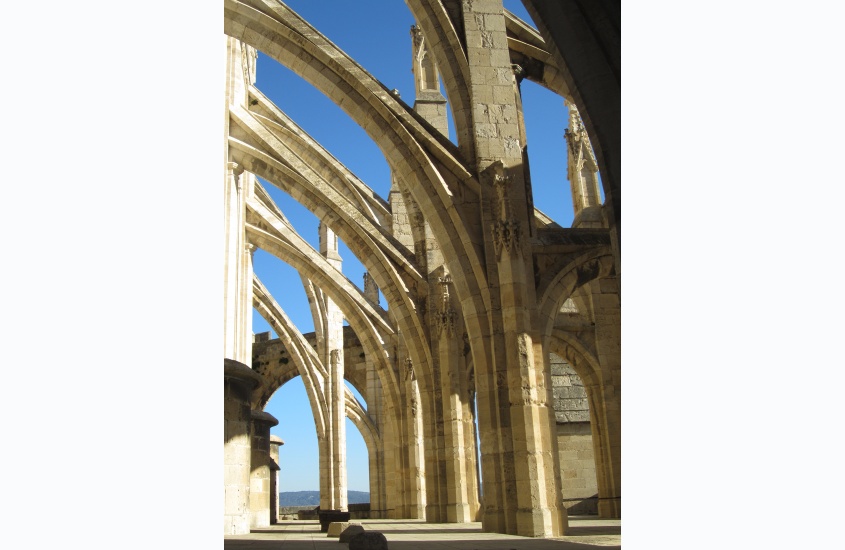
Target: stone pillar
(260, 487)
(333, 494)
(521, 476)
(374, 396)
(337, 406)
(275, 443)
(239, 381)
(404, 445)
(471, 466)
(237, 304)
(237, 188)
(414, 470)
(459, 467)
(391, 439)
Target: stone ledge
(238, 372)
(262, 416)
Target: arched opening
(299, 463)
(299, 475)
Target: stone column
(275, 443)
(521, 475)
(334, 496)
(237, 188)
(239, 381)
(260, 487)
(374, 396)
(337, 406)
(237, 306)
(414, 470)
(459, 467)
(391, 439)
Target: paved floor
(585, 533)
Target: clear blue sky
(383, 47)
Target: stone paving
(585, 533)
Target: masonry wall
(575, 441)
(272, 360)
(577, 468)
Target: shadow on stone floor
(584, 533)
(591, 530)
(527, 544)
(572, 531)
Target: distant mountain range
(312, 498)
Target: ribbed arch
(572, 273)
(303, 356)
(409, 147)
(584, 363)
(365, 240)
(361, 315)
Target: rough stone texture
(368, 540)
(350, 531)
(574, 439)
(338, 527)
(481, 287)
(569, 396)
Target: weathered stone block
(338, 527)
(352, 530)
(558, 369)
